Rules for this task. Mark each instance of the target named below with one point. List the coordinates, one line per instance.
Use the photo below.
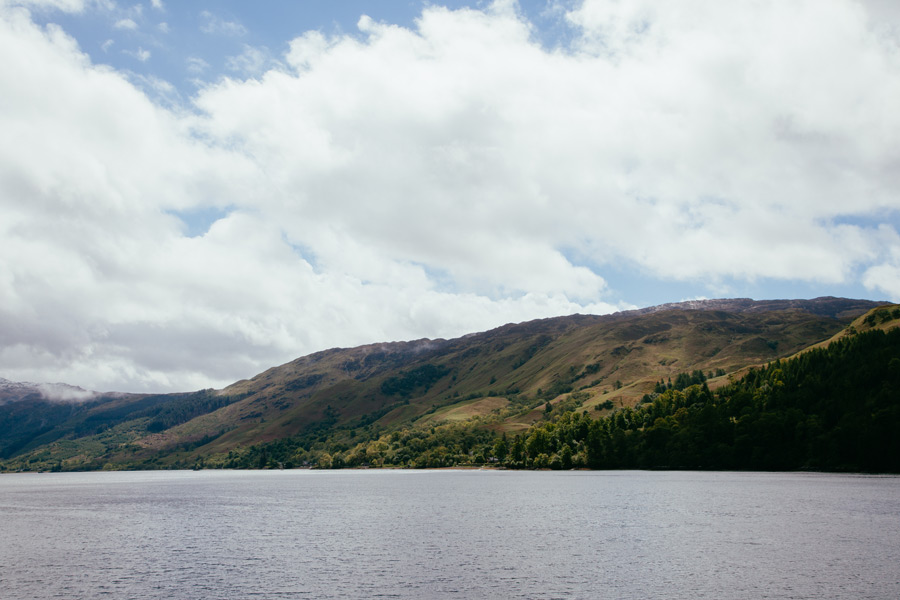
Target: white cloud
(163, 27)
(396, 183)
(158, 5)
(196, 65)
(670, 153)
(81, 206)
(140, 54)
(160, 90)
(213, 24)
(885, 278)
(126, 24)
(69, 6)
(57, 392)
(251, 61)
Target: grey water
(448, 534)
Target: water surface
(448, 534)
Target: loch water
(448, 534)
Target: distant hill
(504, 380)
(826, 306)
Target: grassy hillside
(506, 379)
(835, 408)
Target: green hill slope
(504, 379)
(835, 408)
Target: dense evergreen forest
(833, 409)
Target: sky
(192, 192)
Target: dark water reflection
(448, 534)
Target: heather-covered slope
(592, 363)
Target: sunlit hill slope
(505, 377)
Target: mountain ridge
(824, 305)
(511, 375)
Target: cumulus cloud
(676, 142)
(884, 276)
(885, 279)
(395, 183)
